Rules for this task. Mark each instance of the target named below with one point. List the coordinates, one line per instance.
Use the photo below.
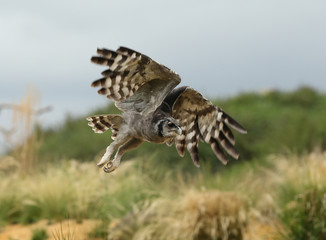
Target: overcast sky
(218, 47)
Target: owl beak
(179, 131)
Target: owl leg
(110, 150)
(114, 164)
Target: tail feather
(101, 123)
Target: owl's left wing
(201, 120)
(134, 81)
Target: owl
(153, 110)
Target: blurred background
(220, 48)
(263, 62)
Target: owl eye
(170, 124)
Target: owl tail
(101, 123)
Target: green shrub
(9, 212)
(302, 196)
(276, 121)
(100, 231)
(305, 216)
(39, 234)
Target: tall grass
(61, 234)
(194, 215)
(303, 197)
(22, 137)
(69, 189)
(285, 190)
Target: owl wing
(134, 81)
(201, 120)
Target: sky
(220, 48)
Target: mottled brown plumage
(156, 112)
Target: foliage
(303, 198)
(100, 231)
(136, 192)
(70, 190)
(305, 215)
(276, 185)
(39, 234)
(277, 122)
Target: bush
(302, 197)
(305, 216)
(39, 234)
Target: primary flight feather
(155, 111)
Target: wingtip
(224, 162)
(233, 123)
(99, 50)
(242, 130)
(94, 59)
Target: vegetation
(136, 206)
(280, 180)
(277, 122)
(304, 198)
(39, 234)
(60, 234)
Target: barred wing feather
(133, 79)
(201, 120)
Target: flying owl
(155, 111)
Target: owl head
(168, 127)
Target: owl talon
(110, 167)
(100, 165)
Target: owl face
(169, 127)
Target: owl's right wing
(199, 119)
(134, 81)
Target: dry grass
(67, 229)
(20, 136)
(263, 193)
(69, 189)
(223, 206)
(193, 215)
(61, 234)
(301, 171)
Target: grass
(303, 198)
(87, 193)
(206, 205)
(162, 196)
(194, 215)
(39, 234)
(60, 234)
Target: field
(276, 190)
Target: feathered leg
(114, 164)
(110, 150)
